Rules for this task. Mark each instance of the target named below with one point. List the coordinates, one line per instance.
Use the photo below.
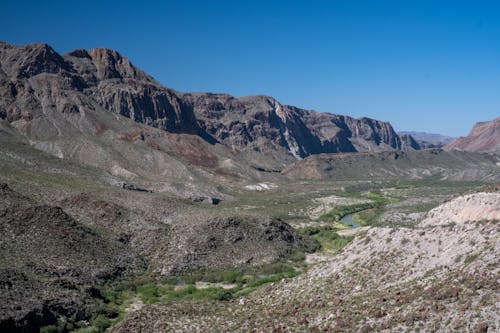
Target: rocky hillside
(439, 275)
(41, 90)
(224, 242)
(484, 137)
(50, 263)
(55, 258)
(452, 165)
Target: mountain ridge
(111, 81)
(484, 137)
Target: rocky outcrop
(474, 207)
(38, 85)
(484, 137)
(409, 143)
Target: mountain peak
(31, 59)
(112, 65)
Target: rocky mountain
(263, 124)
(484, 137)
(427, 140)
(41, 90)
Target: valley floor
(156, 263)
(422, 272)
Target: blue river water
(347, 220)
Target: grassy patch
(376, 200)
(328, 238)
(367, 216)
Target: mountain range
(126, 204)
(37, 82)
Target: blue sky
(422, 65)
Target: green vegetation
(113, 299)
(328, 238)
(367, 216)
(340, 211)
(376, 200)
(50, 329)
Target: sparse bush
(50, 329)
(232, 276)
(471, 258)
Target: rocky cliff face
(36, 83)
(409, 143)
(484, 137)
(262, 123)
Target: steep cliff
(38, 85)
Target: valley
(203, 298)
(127, 206)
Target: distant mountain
(484, 137)
(46, 96)
(427, 140)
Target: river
(347, 220)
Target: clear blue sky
(422, 65)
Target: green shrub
(327, 237)
(50, 329)
(377, 200)
(90, 329)
(101, 322)
(149, 293)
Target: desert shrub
(51, 329)
(471, 258)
